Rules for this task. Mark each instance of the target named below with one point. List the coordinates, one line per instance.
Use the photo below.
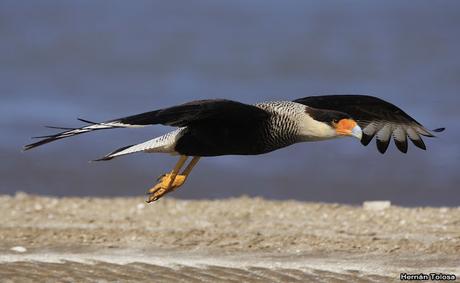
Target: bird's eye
(335, 121)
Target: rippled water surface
(102, 60)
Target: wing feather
(400, 139)
(383, 137)
(377, 118)
(369, 133)
(415, 138)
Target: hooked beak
(349, 127)
(357, 132)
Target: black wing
(376, 117)
(218, 110)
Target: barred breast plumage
(279, 129)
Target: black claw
(151, 200)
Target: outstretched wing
(217, 110)
(376, 117)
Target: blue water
(105, 59)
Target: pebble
(21, 195)
(377, 205)
(19, 249)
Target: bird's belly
(206, 142)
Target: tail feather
(59, 128)
(69, 132)
(87, 121)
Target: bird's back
(214, 138)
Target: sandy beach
(249, 239)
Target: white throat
(313, 130)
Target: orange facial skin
(345, 126)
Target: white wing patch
(384, 130)
(371, 129)
(413, 135)
(399, 133)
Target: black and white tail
(69, 132)
(176, 116)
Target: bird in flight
(216, 127)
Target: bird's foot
(165, 186)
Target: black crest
(326, 116)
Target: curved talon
(166, 184)
(170, 181)
(156, 195)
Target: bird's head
(326, 124)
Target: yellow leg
(176, 169)
(171, 181)
(190, 166)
